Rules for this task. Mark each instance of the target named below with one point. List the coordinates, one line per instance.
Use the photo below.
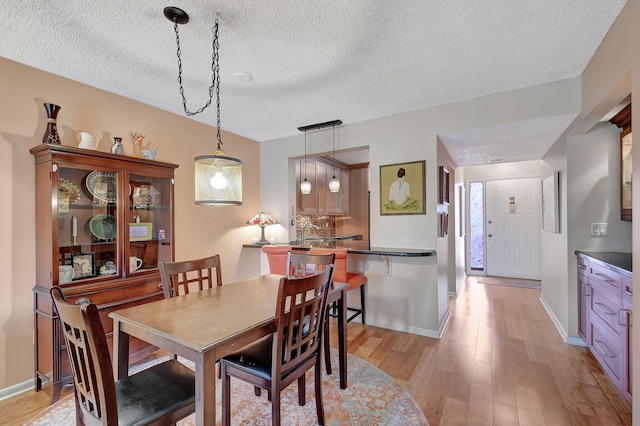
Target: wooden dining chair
(341, 275)
(301, 264)
(277, 257)
(279, 359)
(304, 264)
(159, 395)
(177, 277)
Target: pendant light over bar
(218, 178)
(305, 186)
(320, 125)
(334, 183)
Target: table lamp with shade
(262, 219)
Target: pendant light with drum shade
(218, 178)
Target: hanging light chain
(215, 78)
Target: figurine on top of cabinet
(138, 138)
(117, 147)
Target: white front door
(513, 228)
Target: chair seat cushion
(154, 393)
(355, 280)
(254, 358)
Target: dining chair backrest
(353, 279)
(178, 278)
(89, 355)
(279, 359)
(161, 394)
(277, 257)
(301, 301)
(305, 264)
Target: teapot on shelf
(87, 141)
(149, 154)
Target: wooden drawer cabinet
(606, 278)
(96, 214)
(605, 297)
(605, 307)
(607, 349)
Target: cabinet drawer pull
(159, 285)
(604, 277)
(585, 286)
(82, 301)
(629, 292)
(582, 266)
(620, 312)
(604, 311)
(597, 344)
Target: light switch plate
(598, 229)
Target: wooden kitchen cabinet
(604, 319)
(584, 294)
(321, 201)
(94, 212)
(306, 203)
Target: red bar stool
(341, 275)
(278, 258)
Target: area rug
(510, 282)
(371, 398)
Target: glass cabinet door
(87, 213)
(627, 170)
(148, 224)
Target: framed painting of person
(402, 188)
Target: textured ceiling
(313, 61)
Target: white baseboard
(571, 340)
(14, 390)
(414, 330)
(459, 287)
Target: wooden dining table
(210, 324)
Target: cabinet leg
(55, 391)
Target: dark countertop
(361, 247)
(616, 261)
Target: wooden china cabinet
(623, 120)
(103, 222)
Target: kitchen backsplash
(327, 225)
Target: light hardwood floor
(501, 361)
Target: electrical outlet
(598, 229)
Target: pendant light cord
(215, 78)
(305, 155)
(333, 131)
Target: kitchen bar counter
(360, 247)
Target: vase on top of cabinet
(86, 232)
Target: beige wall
(200, 231)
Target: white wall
(592, 196)
(400, 138)
(461, 203)
(613, 73)
(556, 289)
